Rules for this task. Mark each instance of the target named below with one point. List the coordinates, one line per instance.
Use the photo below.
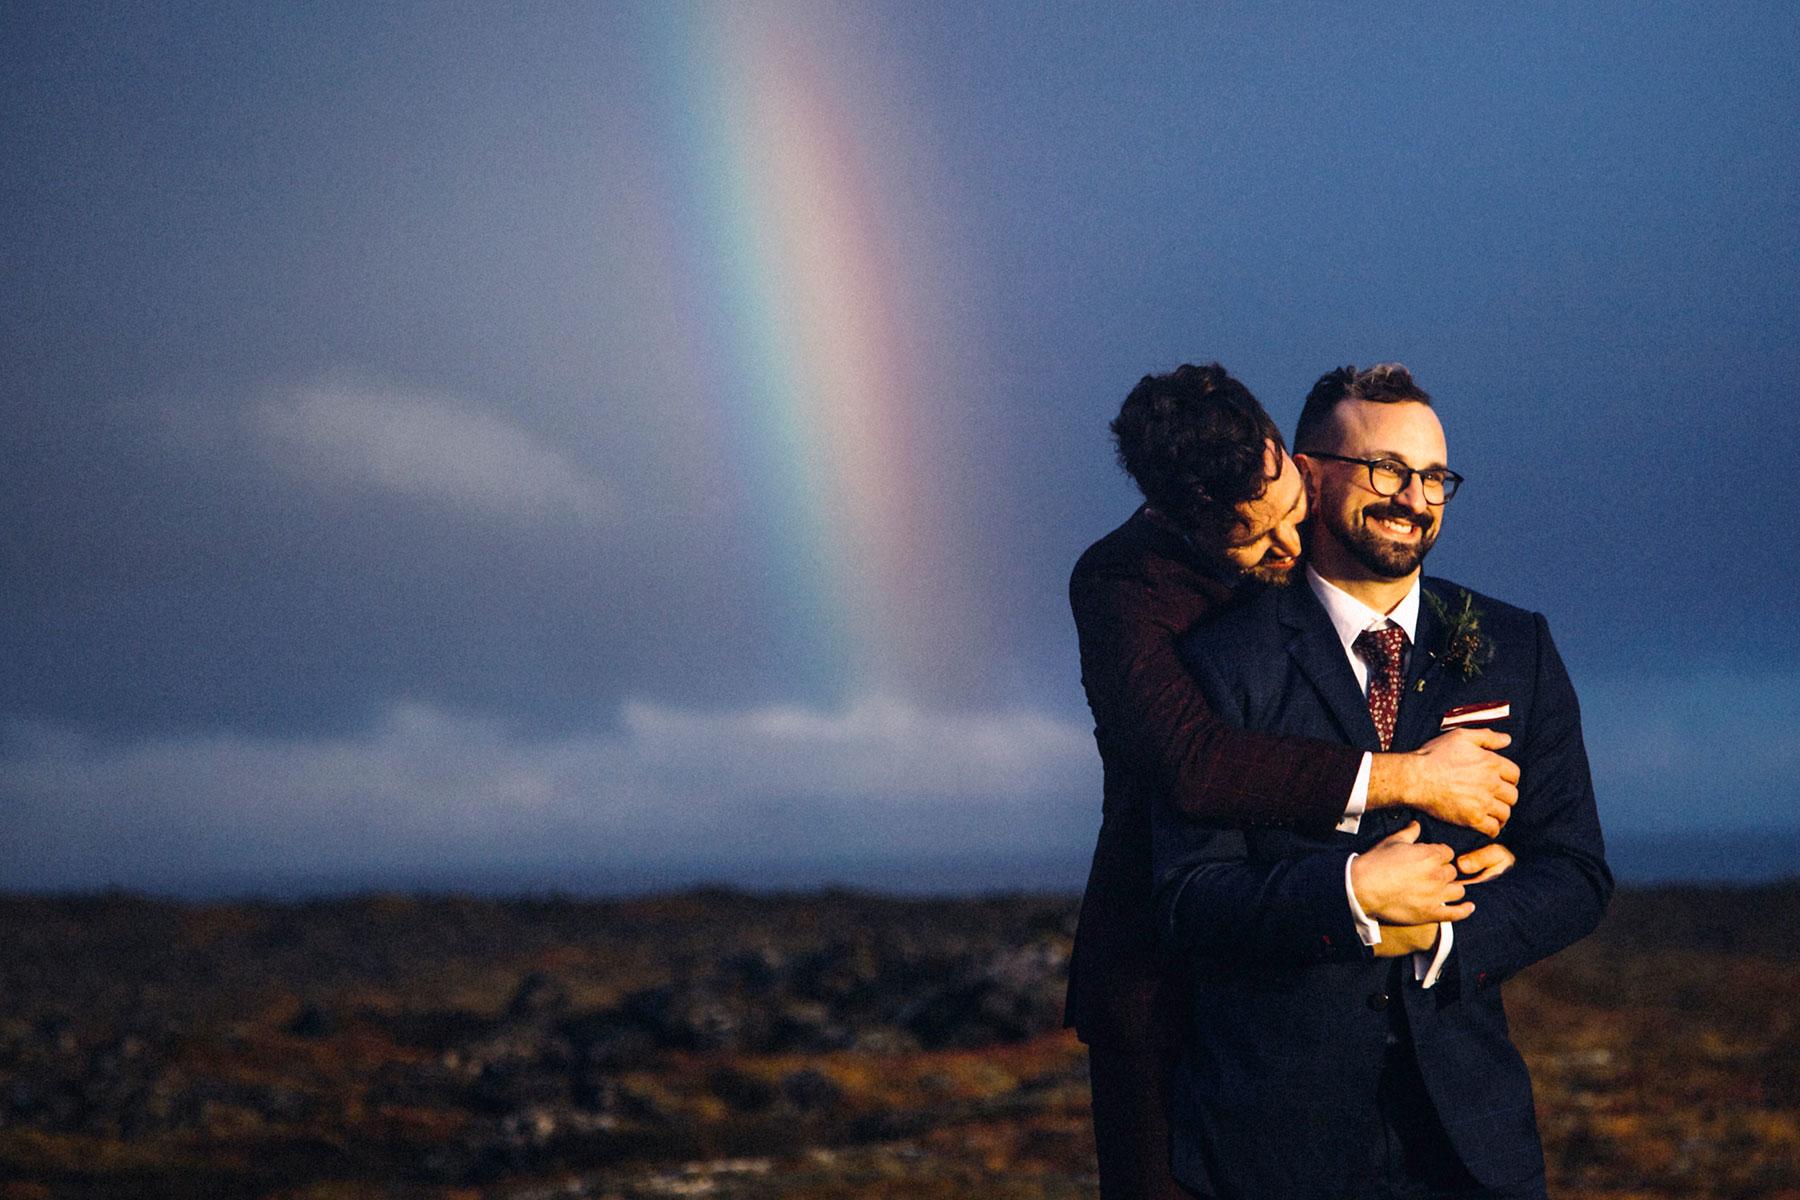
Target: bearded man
(1345, 1036)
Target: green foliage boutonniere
(1461, 645)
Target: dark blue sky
(400, 481)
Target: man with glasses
(1330, 1051)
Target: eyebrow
(1244, 540)
(1402, 461)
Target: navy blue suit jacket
(1284, 1049)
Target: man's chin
(1387, 556)
(1392, 562)
(1274, 576)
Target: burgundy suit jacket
(1134, 593)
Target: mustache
(1394, 512)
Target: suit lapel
(1428, 684)
(1315, 650)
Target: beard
(1272, 576)
(1389, 559)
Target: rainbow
(814, 327)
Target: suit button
(1378, 1000)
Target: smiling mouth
(1398, 524)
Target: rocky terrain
(722, 1044)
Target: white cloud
(428, 791)
(426, 447)
(876, 747)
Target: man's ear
(1309, 475)
(1273, 459)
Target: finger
(1509, 770)
(1489, 825)
(1453, 893)
(1507, 794)
(1492, 739)
(1408, 834)
(1487, 862)
(1456, 912)
(1480, 859)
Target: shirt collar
(1350, 616)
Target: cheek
(1244, 557)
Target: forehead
(1407, 429)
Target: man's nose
(1286, 540)
(1413, 494)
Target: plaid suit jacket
(1134, 593)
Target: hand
(1489, 862)
(1463, 781)
(1405, 882)
(1400, 940)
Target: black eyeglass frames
(1389, 477)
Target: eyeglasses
(1390, 478)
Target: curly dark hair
(1193, 440)
(1383, 383)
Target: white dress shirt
(1351, 618)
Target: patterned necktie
(1381, 649)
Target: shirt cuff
(1369, 931)
(1351, 821)
(1427, 968)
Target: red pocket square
(1476, 714)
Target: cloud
(878, 747)
(427, 794)
(430, 792)
(429, 448)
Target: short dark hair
(1193, 441)
(1383, 383)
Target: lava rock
(539, 997)
(810, 1090)
(312, 1021)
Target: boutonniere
(1461, 645)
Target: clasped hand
(1403, 881)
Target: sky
(639, 443)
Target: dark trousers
(1409, 1156)
(1130, 1082)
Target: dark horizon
(1684, 859)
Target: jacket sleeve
(1213, 901)
(1559, 889)
(1149, 712)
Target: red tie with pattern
(1381, 649)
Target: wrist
(1394, 778)
(1361, 893)
(1411, 939)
